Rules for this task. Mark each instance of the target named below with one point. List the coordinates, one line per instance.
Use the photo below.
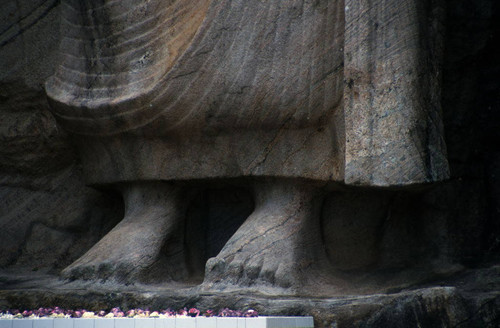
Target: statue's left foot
(277, 244)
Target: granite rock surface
(307, 131)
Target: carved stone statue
(289, 98)
(285, 156)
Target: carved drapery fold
(327, 90)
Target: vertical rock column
(392, 54)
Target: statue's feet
(132, 248)
(277, 244)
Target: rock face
(171, 91)
(304, 148)
(39, 172)
(265, 77)
(392, 70)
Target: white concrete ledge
(198, 322)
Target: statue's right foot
(132, 248)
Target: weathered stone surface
(464, 300)
(285, 223)
(132, 249)
(392, 69)
(263, 77)
(48, 215)
(214, 80)
(238, 173)
(260, 76)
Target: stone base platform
(467, 299)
